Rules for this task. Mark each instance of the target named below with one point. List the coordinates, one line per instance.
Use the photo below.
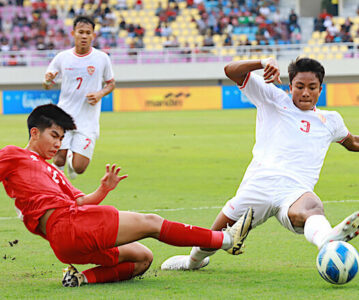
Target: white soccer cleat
(71, 277)
(344, 231)
(70, 170)
(239, 231)
(181, 262)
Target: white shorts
(268, 196)
(79, 143)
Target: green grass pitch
(192, 162)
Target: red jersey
(35, 185)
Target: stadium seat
(323, 34)
(325, 49)
(330, 56)
(339, 55)
(315, 35)
(334, 48)
(343, 48)
(307, 49)
(338, 20)
(321, 56)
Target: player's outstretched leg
(344, 231)
(238, 231)
(71, 277)
(70, 170)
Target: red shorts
(84, 234)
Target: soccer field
(184, 166)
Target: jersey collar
(81, 55)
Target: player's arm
(49, 80)
(238, 70)
(351, 142)
(108, 182)
(94, 97)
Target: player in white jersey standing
(83, 70)
(292, 139)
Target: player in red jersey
(78, 229)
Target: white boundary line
(199, 208)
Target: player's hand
(111, 178)
(93, 98)
(271, 71)
(50, 76)
(49, 80)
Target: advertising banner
(1, 110)
(23, 102)
(232, 97)
(343, 94)
(167, 98)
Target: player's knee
(307, 205)
(153, 220)
(79, 169)
(299, 217)
(59, 160)
(143, 265)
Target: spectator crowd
(41, 26)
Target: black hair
(44, 116)
(306, 65)
(84, 19)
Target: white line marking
(197, 208)
(8, 218)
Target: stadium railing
(197, 55)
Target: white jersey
(289, 141)
(81, 75)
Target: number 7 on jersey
(80, 81)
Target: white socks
(316, 228)
(227, 241)
(196, 257)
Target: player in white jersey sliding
(292, 139)
(83, 70)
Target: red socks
(179, 234)
(172, 233)
(120, 272)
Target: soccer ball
(338, 262)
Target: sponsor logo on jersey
(91, 69)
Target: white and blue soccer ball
(338, 262)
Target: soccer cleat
(70, 170)
(71, 277)
(239, 231)
(344, 231)
(181, 262)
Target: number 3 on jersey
(305, 127)
(80, 81)
(56, 176)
